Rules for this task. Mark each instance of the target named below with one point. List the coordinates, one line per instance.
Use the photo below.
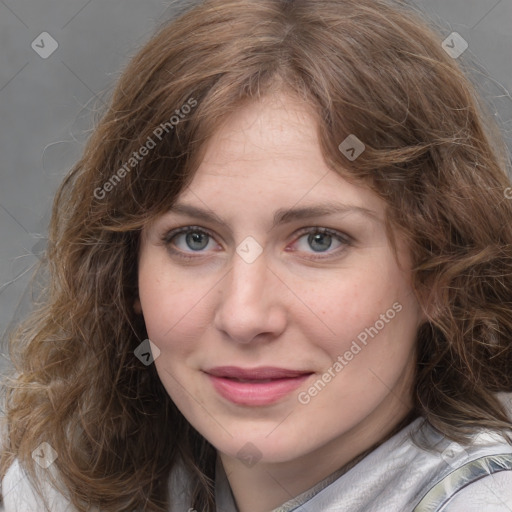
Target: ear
(137, 307)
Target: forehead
(269, 152)
(278, 126)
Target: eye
(188, 239)
(184, 242)
(320, 240)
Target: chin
(263, 448)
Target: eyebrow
(283, 215)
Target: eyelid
(343, 238)
(168, 235)
(328, 231)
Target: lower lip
(254, 393)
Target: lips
(255, 386)
(255, 374)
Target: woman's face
(284, 323)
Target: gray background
(47, 105)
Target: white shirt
(395, 477)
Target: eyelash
(168, 237)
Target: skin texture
(284, 309)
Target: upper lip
(262, 372)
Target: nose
(251, 305)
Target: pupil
(319, 237)
(195, 238)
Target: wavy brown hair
(373, 68)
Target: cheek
(356, 298)
(175, 309)
(371, 352)
(351, 307)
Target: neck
(265, 486)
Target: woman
(281, 279)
